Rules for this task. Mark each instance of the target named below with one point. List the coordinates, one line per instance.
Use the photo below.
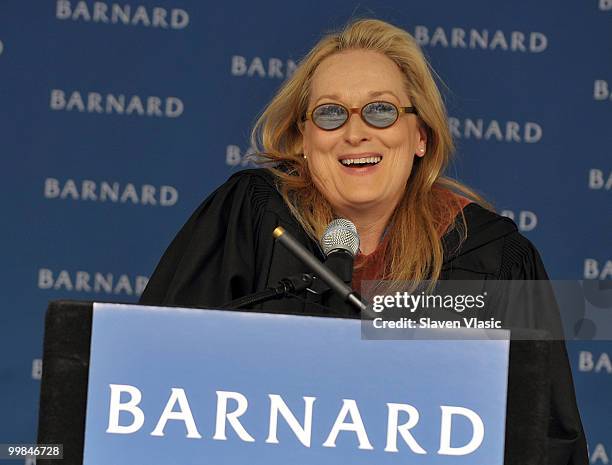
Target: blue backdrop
(119, 118)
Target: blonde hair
(414, 250)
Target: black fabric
(225, 251)
(63, 390)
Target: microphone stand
(322, 272)
(301, 282)
(285, 286)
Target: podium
(134, 384)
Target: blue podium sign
(187, 386)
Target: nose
(355, 129)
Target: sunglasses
(380, 115)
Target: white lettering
(129, 193)
(349, 408)
(37, 366)
(592, 269)
(274, 68)
(154, 106)
(123, 286)
(538, 42)
(421, 35)
(148, 195)
(89, 190)
(601, 91)
(493, 131)
(109, 192)
(479, 39)
(58, 99)
(232, 417)
(174, 107)
(458, 38)
(179, 19)
(603, 363)
(45, 278)
(498, 40)
(439, 37)
(75, 101)
(404, 429)
(240, 66)
(115, 104)
(99, 14)
(131, 406)
(122, 14)
(168, 196)
(585, 361)
(232, 155)
(184, 414)
(445, 431)
(256, 67)
(515, 41)
(135, 105)
(165, 196)
(63, 280)
(518, 41)
(599, 454)
(51, 188)
(303, 433)
(103, 283)
(159, 18)
(82, 282)
(70, 189)
(527, 220)
(141, 16)
(597, 181)
(81, 11)
(95, 102)
(141, 283)
(533, 132)
(62, 9)
(511, 131)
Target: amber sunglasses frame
(359, 111)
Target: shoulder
(251, 196)
(493, 247)
(253, 187)
(252, 179)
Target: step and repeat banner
(119, 118)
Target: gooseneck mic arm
(319, 269)
(285, 287)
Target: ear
(422, 142)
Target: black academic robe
(226, 251)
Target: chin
(361, 200)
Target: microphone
(340, 243)
(319, 269)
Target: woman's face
(354, 78)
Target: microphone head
(341, 234)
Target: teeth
(360, 161)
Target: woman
(359, 131)
(319, 165)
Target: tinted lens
(380, 114)
(329, 116)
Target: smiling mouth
(361, 162)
